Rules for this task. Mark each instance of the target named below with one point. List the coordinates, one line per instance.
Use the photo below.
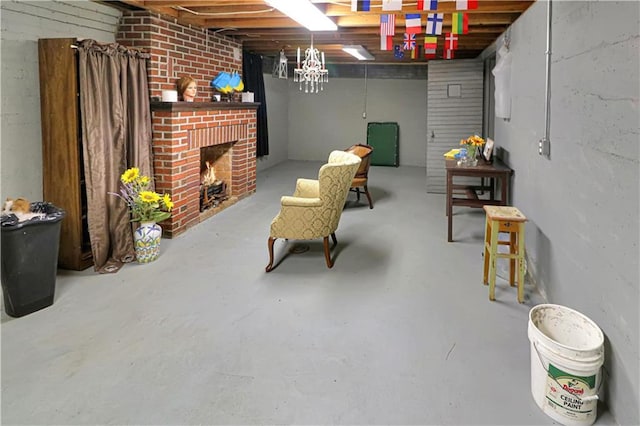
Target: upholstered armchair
(314, 209)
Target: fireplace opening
(215, 175)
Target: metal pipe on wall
(544, 145)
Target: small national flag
(391, 4)
(429, 53)
(387, 24)
(430, 43)
(415, 52)
(434, 23)
(450, 41)
(385, 42)
(427, 4)
(448, 54)
(360, 5)
(413, 23)
(466, 4)
(409, 41)
(397, 52)
(459, 23)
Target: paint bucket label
(566, 394)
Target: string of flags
(414, 26)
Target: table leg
(505, 187)
(492, 188)
(449, 206)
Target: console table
(489, 174)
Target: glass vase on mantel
(146, 239)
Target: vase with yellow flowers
(147, 207)
(472, 143)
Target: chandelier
(312, 71)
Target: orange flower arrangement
(472, 143)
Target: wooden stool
(508, 220)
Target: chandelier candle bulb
(322, 60)
(298, 57)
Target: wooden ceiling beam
(443, 7)
(293, 33)
(265, 30)
(352, 21)
(163, 9)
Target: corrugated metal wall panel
(450, 119)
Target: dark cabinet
(63, 171)
(385, 139)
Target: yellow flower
(130, 175)
(144, 204)
(149, 197)
(166, 200)
(474, 140)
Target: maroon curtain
(116, 135)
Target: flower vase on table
(146, 239)
(471, 145)
(470, 158)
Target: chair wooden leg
(358, 194)
(492, 260)
(521, 265)
(366, 191)
(487, 252)
(327, 253)
(513, 249)
(334, 239)
(270, 246)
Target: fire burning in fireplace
(213, 191)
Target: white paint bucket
(567, 352)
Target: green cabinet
(384, 138)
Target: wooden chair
(361, 178)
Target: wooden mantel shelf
(200, 106)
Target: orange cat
(19, 205)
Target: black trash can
(30, 259)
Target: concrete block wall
(23, 23)
(582, 201)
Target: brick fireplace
(182, 129)
(180, 132)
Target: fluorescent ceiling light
(305, 13)
(359, 52)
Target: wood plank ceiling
(265, 30)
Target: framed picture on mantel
(488, 150)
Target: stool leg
(513, 249)
(492, 260)
(521, 263)
(487, 244)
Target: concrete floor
(400, 331)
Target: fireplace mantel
(200, 106)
